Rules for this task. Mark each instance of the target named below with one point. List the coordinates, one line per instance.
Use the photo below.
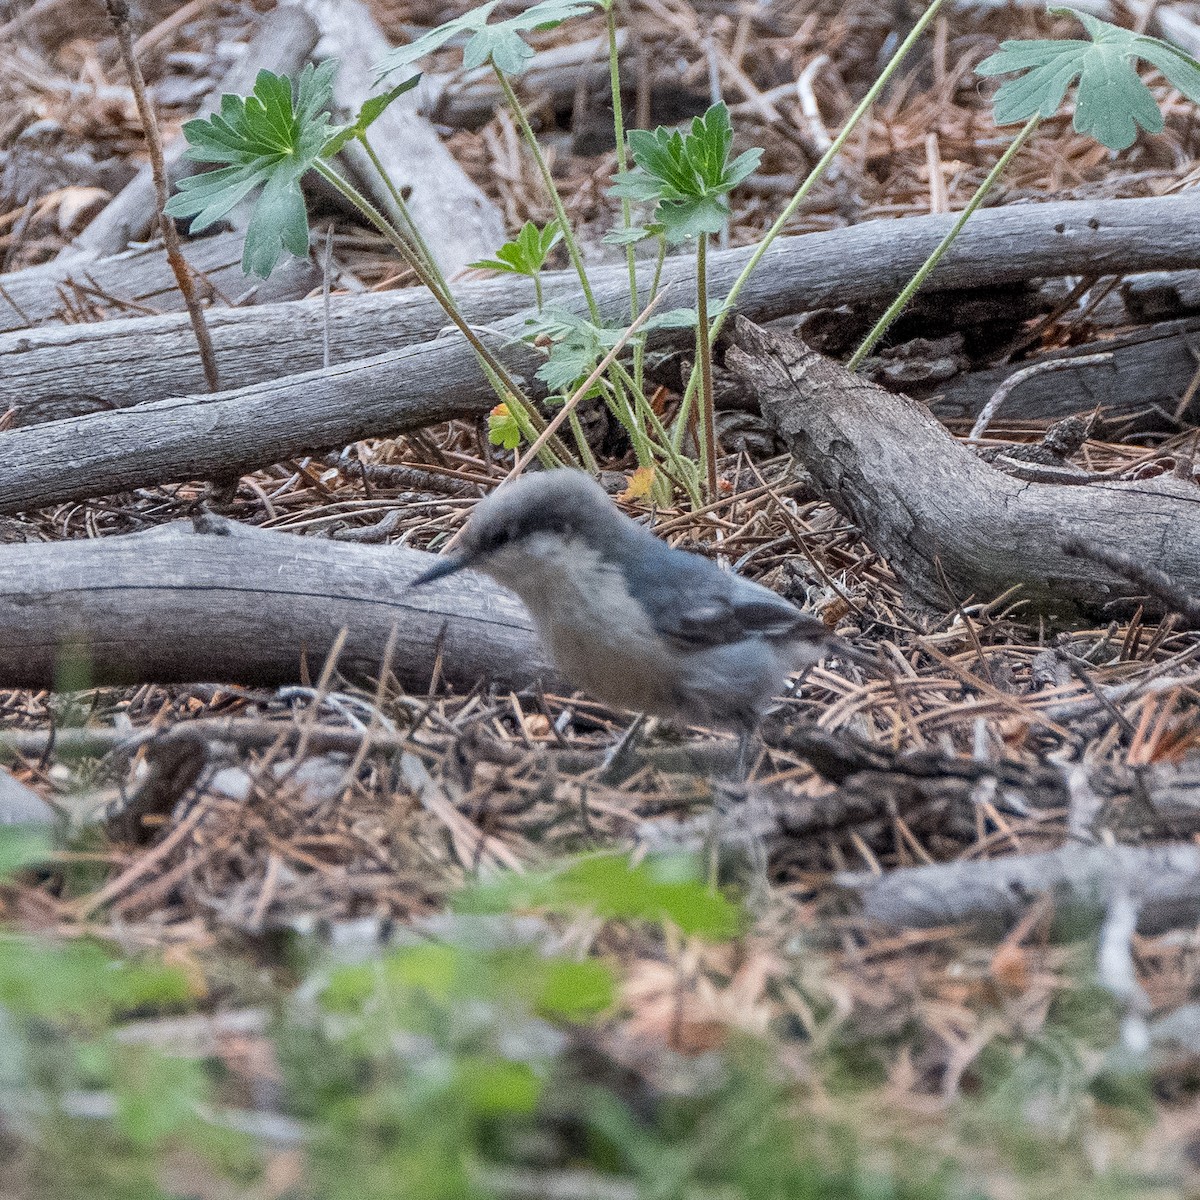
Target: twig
(118, 13)
(1018, 377)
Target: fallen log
(950, 525)
(1149, 367)
(215, 601)
(1163, 882)
(81, 287)
(137, 361)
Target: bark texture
(944, 518)
(1162, 881)
(141, 360)
(215, 601)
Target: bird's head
(526, 525)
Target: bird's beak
(446, 565)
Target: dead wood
(941, 516)
(223, 434)
(1163, 883)
(282, 43)
(458, 221)
(224, 602)
(1149, 368)
(78, 286)
(127, 363)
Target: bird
(630, 620)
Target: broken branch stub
(941, 515)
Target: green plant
(688, 178)
(526, 254)
(664, 890)
(1111, 102)
(22, 846)
(269, 140)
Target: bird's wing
(740, 610)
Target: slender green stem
(560, 212)
(683, 467)
(614, 81)
(537, 289)
(823, 164)
(585, 451)
(406, 213)
(546, 456)
(573, 251)
(658, 266)
(498, 375)
(707, 419)
(801, 193)
(898, 305)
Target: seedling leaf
(689, 175)
(526, 254)
(503, 429)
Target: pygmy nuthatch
(627, 618)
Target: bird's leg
(747, 733)
(619, 759)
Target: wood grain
(222, 602)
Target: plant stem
(707, 418)
(801, 193)
(614, 81)
(555, 199)
(898, 305)
(585, 451)
(683, 467)
(835, 148)
(406, 213)
(509, 391)
(605, 364)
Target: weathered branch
(1148, 367)
(136, 281)
(939, 514)
(1163, 881)
(230, 603)
(127, 363)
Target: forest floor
(298, 946)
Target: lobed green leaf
(689, 175)
(1112, 102)
(268, 140)
(500, 44)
